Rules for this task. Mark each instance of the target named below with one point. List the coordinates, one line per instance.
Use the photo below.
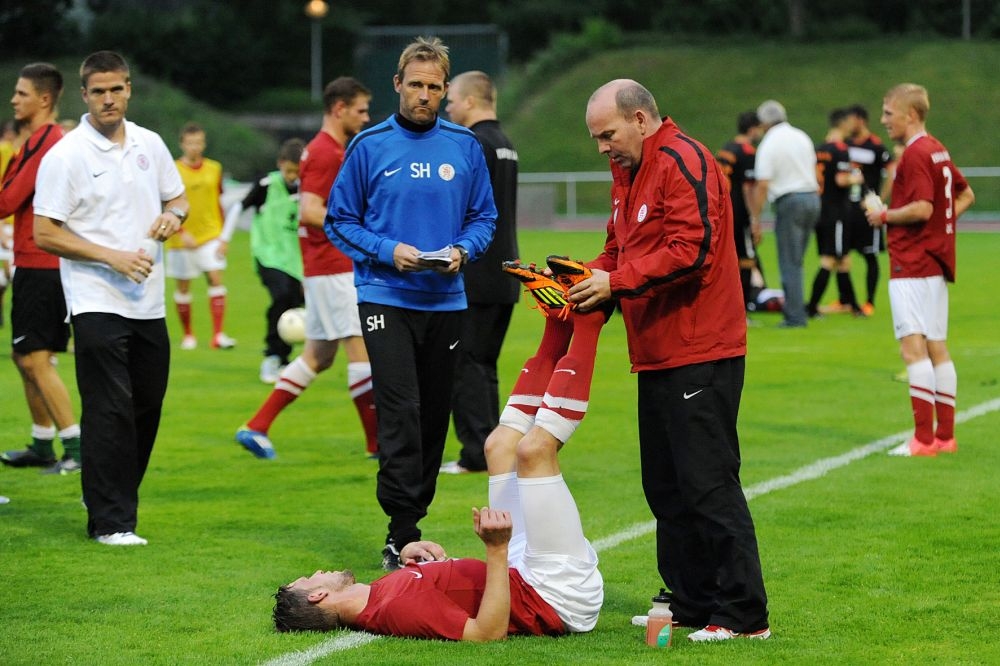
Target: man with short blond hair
(929, 194)
(412, 204)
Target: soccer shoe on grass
(189, 342)
(716, 633)
(222, 341)
(551, 295)
(64, 467)
(390, 558)
(270, 369)
(121, 539)
(945, 445)
(256, 443)
(566, 271)
(26, 457)
(914, 448)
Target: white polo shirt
(786, 158)
(109, 195)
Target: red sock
(526, 396)
(567, 395)
(217, 304)
(291, 383)
(921, 375)
(359, 379)
(183, 303)
(945, 388)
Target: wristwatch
(465, 254)
(180, 214)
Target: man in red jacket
(38, 307)
(670, 259)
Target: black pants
(475, 399)
(706, 547)
(286, 293)
(413, 356)
(122, 367)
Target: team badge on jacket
(643, 211)
(446, 172)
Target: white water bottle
(659, 626)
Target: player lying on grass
(540, 574)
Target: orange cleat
(550, 295)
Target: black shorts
(865, 238)
(745, 247)
(832, 238)
(38, 311)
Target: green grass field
(883, 560)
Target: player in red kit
(928, 195)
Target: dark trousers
(413, 356)
(286, 293)
(706, 548)
(475, 399)
(121, 372)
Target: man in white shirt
(786, 176)
(104, 196)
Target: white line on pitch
(351, 639)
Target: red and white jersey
(17, 192)
(319, 167)
(436, 599)
(925, 173)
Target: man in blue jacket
(411, 205)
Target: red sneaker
(914, 448)
(945, 445)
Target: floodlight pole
(316, 10)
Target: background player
(38, 306)
(737, 161)
(274, 244)
(197, 248)
(929, 194)
(875, 160)
(331, 299)
(835, 176)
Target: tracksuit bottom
(121, 373)
(413, 355)
(706, 547)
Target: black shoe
(390, 557)
(26, 458)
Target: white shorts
(919, 307)
(331, 307)
(184, 264)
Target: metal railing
(570, 179)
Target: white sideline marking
(809, 472)
(346, 640)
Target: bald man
(670, 260)
(475, 402)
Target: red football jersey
(436, 599)
(17, 192)
(925, 173)
(319, 167)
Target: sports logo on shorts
(143, 162)
(446, 172)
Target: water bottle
(659, 626)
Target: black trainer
(390, 557)
(26, 457)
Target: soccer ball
(292, 325)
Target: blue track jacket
(428, 189)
